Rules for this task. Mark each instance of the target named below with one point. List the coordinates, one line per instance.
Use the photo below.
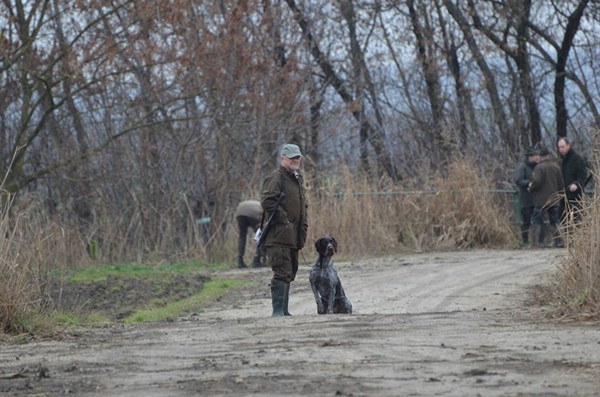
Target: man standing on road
(545, 187)
(522, 178)
(248, 214)
(575, 174)
(287, 234)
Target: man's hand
(573, 187)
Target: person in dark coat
(287, 234)
(522, 177)
(575, 175)
(248, 214)
(545, 187)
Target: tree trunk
(375, 135)
(427, 59)
(488, 76)
(562, 115)
(464, 103)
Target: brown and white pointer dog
(324, 280)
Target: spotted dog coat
(324, 280)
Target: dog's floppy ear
(319, 245)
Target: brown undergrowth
(21, 276)
(574, 290)
(455, 210)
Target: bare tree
(559, 63)
(428, 58)
(488, 76)
(518, 19)
(47, 84)
(466, 111)
(133, 121)
(367, 130)
(573, 22)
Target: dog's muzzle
(330, 249)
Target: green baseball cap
(543, 151)
(531, 151)
(289, 150)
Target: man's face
(291, 164)
(563, 147)
(532, 159)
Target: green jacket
(290, 224)
(546, 182)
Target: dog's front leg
(330, 297)
(315, 290)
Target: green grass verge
(211, 290)
(67, 319)
(102, 272)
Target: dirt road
(443, 324)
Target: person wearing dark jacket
(248, 214)
(545, 188)
(522, 177)
(575, 175)
(287, 234)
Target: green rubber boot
(277, 297)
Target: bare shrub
(458, 211)
(31, 245)
(464, 213)
(368, 217)
(20, 287)
(574, 290)
(359, 214)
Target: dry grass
(465, 212)
(30, 246)
(20, 275)
(368, 218)
(574, 290)
(454, 211)
(458, 211)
